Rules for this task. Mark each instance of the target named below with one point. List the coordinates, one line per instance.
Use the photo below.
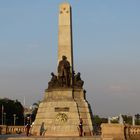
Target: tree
(34, 109)
(127, 119)
(11, 107)
(97, 121)
(137, 116)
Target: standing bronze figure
(64, 72)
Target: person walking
(81, 127)
(28, 129)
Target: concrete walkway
(24, 137)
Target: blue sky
(106, 41)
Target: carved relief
(61, 118)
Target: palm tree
(34, 109)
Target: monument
(64, 110)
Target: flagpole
(2, 108)
(24, 109)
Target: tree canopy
(11, 109)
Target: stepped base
(60, 112)
(56, 138)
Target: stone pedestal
(63, 107)
(60, 111)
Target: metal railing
(12, 129)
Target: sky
(106, 45)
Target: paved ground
(5, 137)
(24, 137)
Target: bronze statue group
(66, 76)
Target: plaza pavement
(24, 137)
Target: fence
(11, 129)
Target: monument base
(60, 112)
(57, 138)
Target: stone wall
(3, 129)
(120, 132)
(115, 131)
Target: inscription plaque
(61, 109)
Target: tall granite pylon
(65, 33)
(64, 110)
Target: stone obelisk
(64, 108)
(65, 33)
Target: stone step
(55, 138)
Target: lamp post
(14, 115)
(4, 118)
(133, 120)
(24, 119)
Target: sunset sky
(106, 44)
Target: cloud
(118, 88)
(115, 88)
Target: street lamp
(14, 115)
(4, 118)
(24, 119)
